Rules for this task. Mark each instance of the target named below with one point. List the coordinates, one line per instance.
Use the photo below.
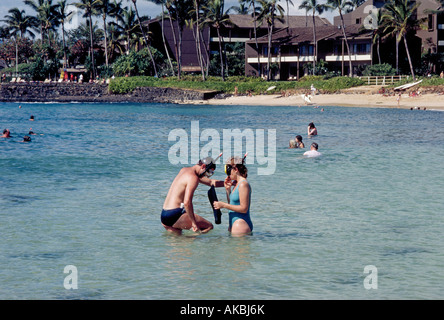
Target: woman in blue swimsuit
(238, 199)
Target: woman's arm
(244, 199)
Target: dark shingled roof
(300, 35)
(246, 21)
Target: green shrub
(244, 84)
(384, 69)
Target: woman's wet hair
(311, 125)
(238, 162)
(299, 138)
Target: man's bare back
(175, 197)
(175, 218)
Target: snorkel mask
(210, 166)
(229, 167)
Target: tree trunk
(350, 73)
(106, 42)
(397, 54)
(145, 38)
(199, 51)
(92, 47)
(176, 46)
(408, 56)
(221, 56)
(64, 45)
(164, 42)
(315, 45)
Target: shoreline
(362, 96)
(430, 101)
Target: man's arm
(211, 182)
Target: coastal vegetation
(113, 39)
(238, 84)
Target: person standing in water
(239, 198)
(311, 130)
(179, 199)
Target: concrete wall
(87, 92)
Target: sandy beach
(359, 97)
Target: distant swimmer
(311, 130)
(31, 118)
(297, 143)
(6, 133)
(174, 216)
(26, 139)
(238, 199)
(313, 152)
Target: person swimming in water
(311, 130)
(297, 143)
(6, 133)
(313, 152)
(239, 198)
(178, 211)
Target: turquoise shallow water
(89, 188)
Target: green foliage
(244, 85)
(310, 78)
(432, 81)
(384, 69)
(137, 63)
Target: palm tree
(378, 32)
(242, 8)
(269, 11)
(126, 26)
(18, 24)
(105, 7)
(196, 10)
(162, 3)
(63, 16)
(46, 14)
(253, 13)
(400, 18)
(288, 12)
(319, 8)
(216, 16)
(36, 5)
(178, 10)
(114, 41)
(90, 7)
(342, 6)
(144, 37)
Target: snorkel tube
(212, 192)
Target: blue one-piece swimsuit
(233, 216)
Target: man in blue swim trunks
(176, 217)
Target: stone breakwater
(92, 92)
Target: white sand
(365, 98)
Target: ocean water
(88, 191)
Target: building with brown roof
(241, 30)
(293, 51)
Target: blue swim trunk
(169, 217)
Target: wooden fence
(382, 80)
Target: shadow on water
(16, 199)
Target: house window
(361, 48)
(358, 21)
(430, 22)
(306, 50)
(274, 51)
